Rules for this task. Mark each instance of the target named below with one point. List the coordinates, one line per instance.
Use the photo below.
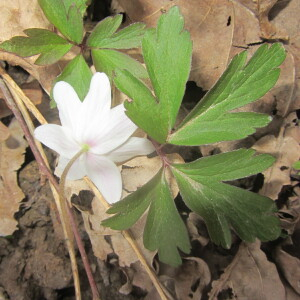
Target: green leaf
(211, 120)
(66, 16)
(49, 45)
(104, 36)
(167, 55)
(78, 74)
(104, 29)
(164, 230)
(296, 165)
(222, 205)
(80, 4)
(108, 61)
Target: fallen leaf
(4, 132)
(140, 170)
(290, 293)
(197, 229)
(285, 16)
(262, 9)
(285, 147)
(290, 268)
(185, 282)
(250, 276)
(31, 89)
(20, 16)
(12, 152)
(192, 277)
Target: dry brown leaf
(197, 229)
(290, 293)
(250, 276)
(15, 16)
(11, 158)
(290, 267)
(31, 89)
(286, 149)
(262, 9)
(185, 282)
(191, 278)
(286, 16)
(140, 170)
(4, 132)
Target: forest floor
(34, 262)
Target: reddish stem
(158, 148)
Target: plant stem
(72, 220)
(160, 153)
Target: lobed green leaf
(66, 16)
(167, 54)
(222, 205)
(164, 230)
(49, 45)
(108, 61)
(104, 35)
(104, 29)
(239, 85)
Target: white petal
(115, 132)
(69, 106)
(77, 171)
(132, 147)
(98, 98)
(105, 175)
(96, 106)
(57, 138)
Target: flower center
(85, 148)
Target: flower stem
(78, 240)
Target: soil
(34, 262)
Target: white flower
(94, 125)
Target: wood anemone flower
(102, 132)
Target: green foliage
(167, 54)
(296, 166)
(108, 61)
(66, 16)
(104, 34)
(104, 39)
(78, 74)
(49, 45)
(221, 205)
(164, 229)
(211, 120)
